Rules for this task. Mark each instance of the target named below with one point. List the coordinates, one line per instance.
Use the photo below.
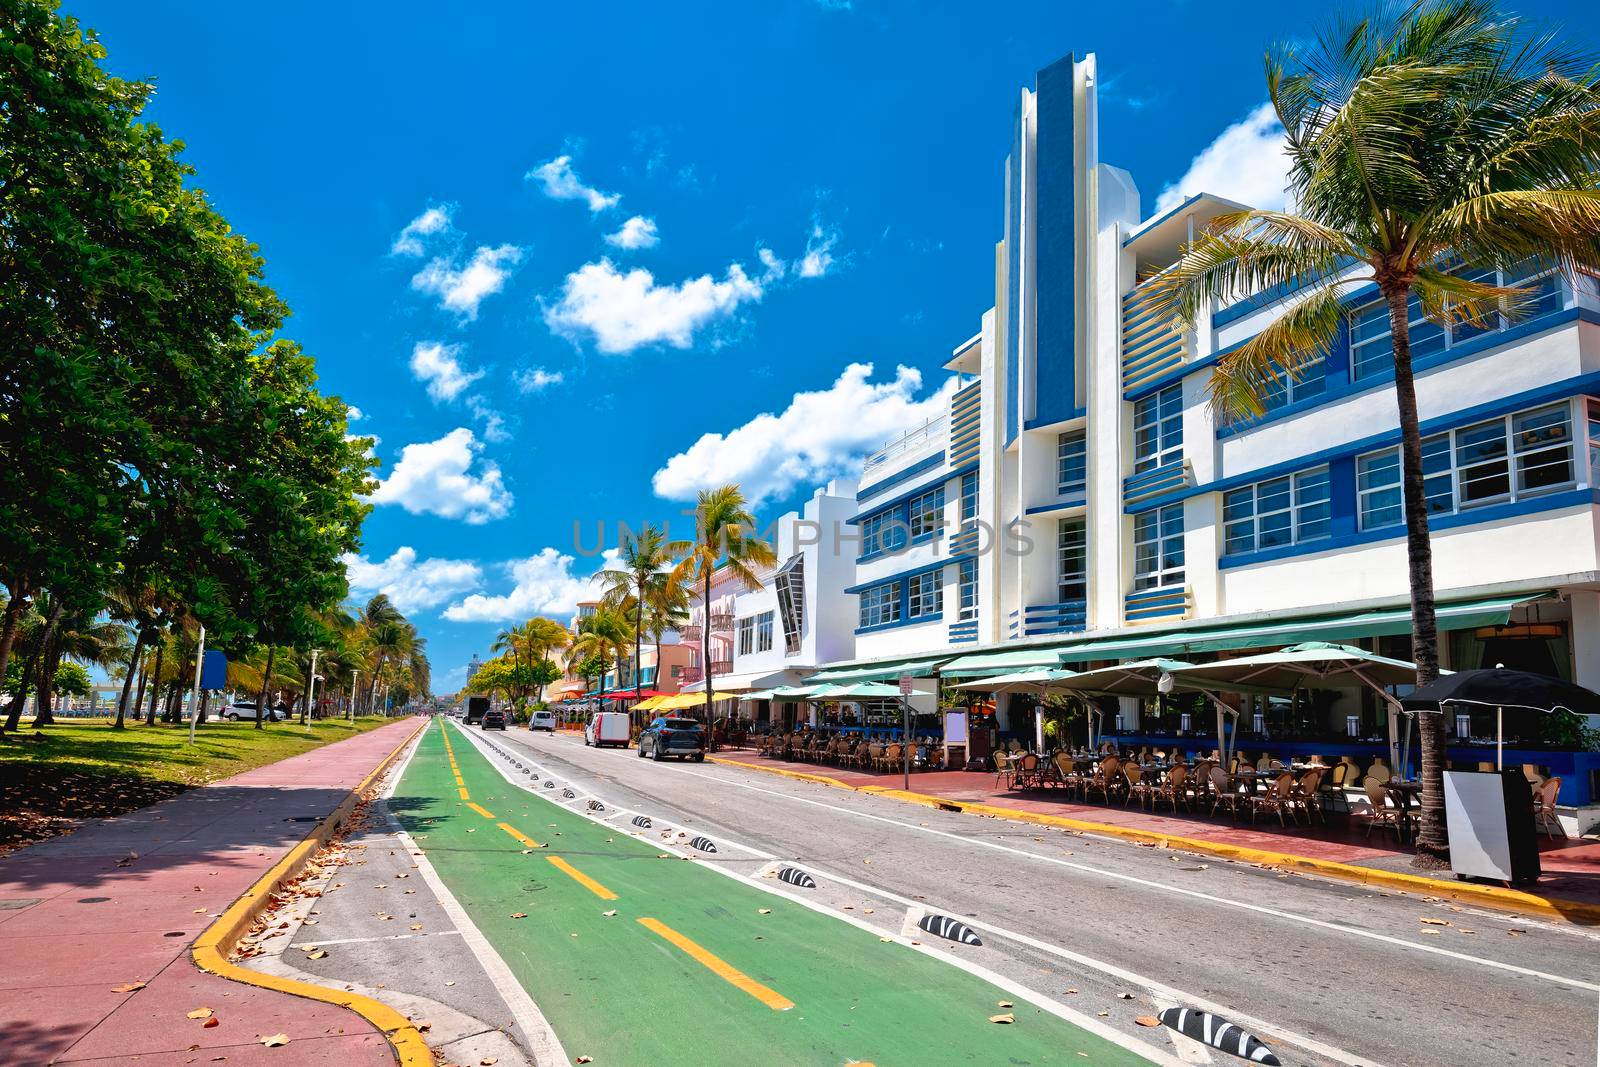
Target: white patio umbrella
(1317, 663)
(1151, 677)
(1037, 681)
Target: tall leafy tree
(1418, 138)
(725, 536)
(605, 636)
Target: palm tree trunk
(638, 644)
(14, 710)
(127, 682)
(372, 690)
(266, 684)
(1433, 839)
(155, 685)
(138, 693)
(44, 712)
(705, 659)
(16, 604)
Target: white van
(607, 728)
(543, 720)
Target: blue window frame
(1282, 392)
(1280, 511)
(883, 532)
(880, 604)
(969, 496)
(1072, 560)
(1158, 429)
(1072, 464)
(927, 514)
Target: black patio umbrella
(1500, 688)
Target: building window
(1282, 511)
(1072, 473)
(790, 586)
(880, 604)
(1371, 344)
(1072, 560)
(967, 589)
(969, 496)
(927, 514)
(764, 632)
(747, 633)
(1158, 429)
(883, 532)
(1283, 391)
(1493, 462)
(1158, 548)
(926, 595)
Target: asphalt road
(1327, 972)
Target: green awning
(1344, 626)
(877, 672)
(987, 664)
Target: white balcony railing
(927, 437)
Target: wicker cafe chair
(1067, 774)
(1225, 793)
(1171, 789)
(1136, 786)
(1279, 798)
(1101, 780)
(891, 758)
(1544, 807)
(1308, 795)
(1030, 772)
(1382, 813)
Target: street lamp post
(354, 676)
(194, 698)
(311, 689)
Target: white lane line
(541, 1036)
(1195, 894)
(1000, 981)
(371, 940)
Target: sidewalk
(1570, 885)
(119, 903)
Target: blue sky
(549, 248)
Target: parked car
(494, 719)
(665, 737)
(543, 720)
(607, 728)
(246, 710)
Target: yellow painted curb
(1488, 895)
(210, 950)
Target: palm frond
(1302, 336)
(1504, 228)
(1228, 266)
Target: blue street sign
(214, 670)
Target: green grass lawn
(83, 768)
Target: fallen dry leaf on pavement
(1147, 1020)
(209, 1023)
(885, 939)
(1007, 1018)
(416, 926)
(200, 1013)
(129, 988)
(1003, 1004)
(609, 914)
(1436, 922)
(275, 1040)
(1072, 991)
(488, 1061)
(763, 911)
(1124, 996)
(1102, 1014)
(585, 1059)
(316, 954)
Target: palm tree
(1437, 132)
(667, 609)
(605, 634)
(724, 537)
(545, 637)
(645, 568)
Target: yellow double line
(701, 955)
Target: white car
(245, 710)
(543, 720)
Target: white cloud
(354, 414)
(561, 182)
(543, 584)
(494, 424)
(413, 585)
(438, 478)
(622, 312)
(536, 379)
(436, 366)
(462, 289)
(776, 267)
(818, 259)
(820, 435)
(1246, 162)
(434, 220)
(637, 232)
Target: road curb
(210, 950)
(1491, 896)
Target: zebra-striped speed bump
(704, 844)
(595, 805)
(1219, 1033)
(642, 820)
(548, 784)
(795, 876)
(569, 794)
(945, 926)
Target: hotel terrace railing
(924, 437)
(964, 632)
(1152, 605)
(1152, 344)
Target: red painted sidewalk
(119, 902)
(1571, 866)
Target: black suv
(494, 719)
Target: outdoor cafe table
(1403, 793)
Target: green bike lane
(692, 965)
